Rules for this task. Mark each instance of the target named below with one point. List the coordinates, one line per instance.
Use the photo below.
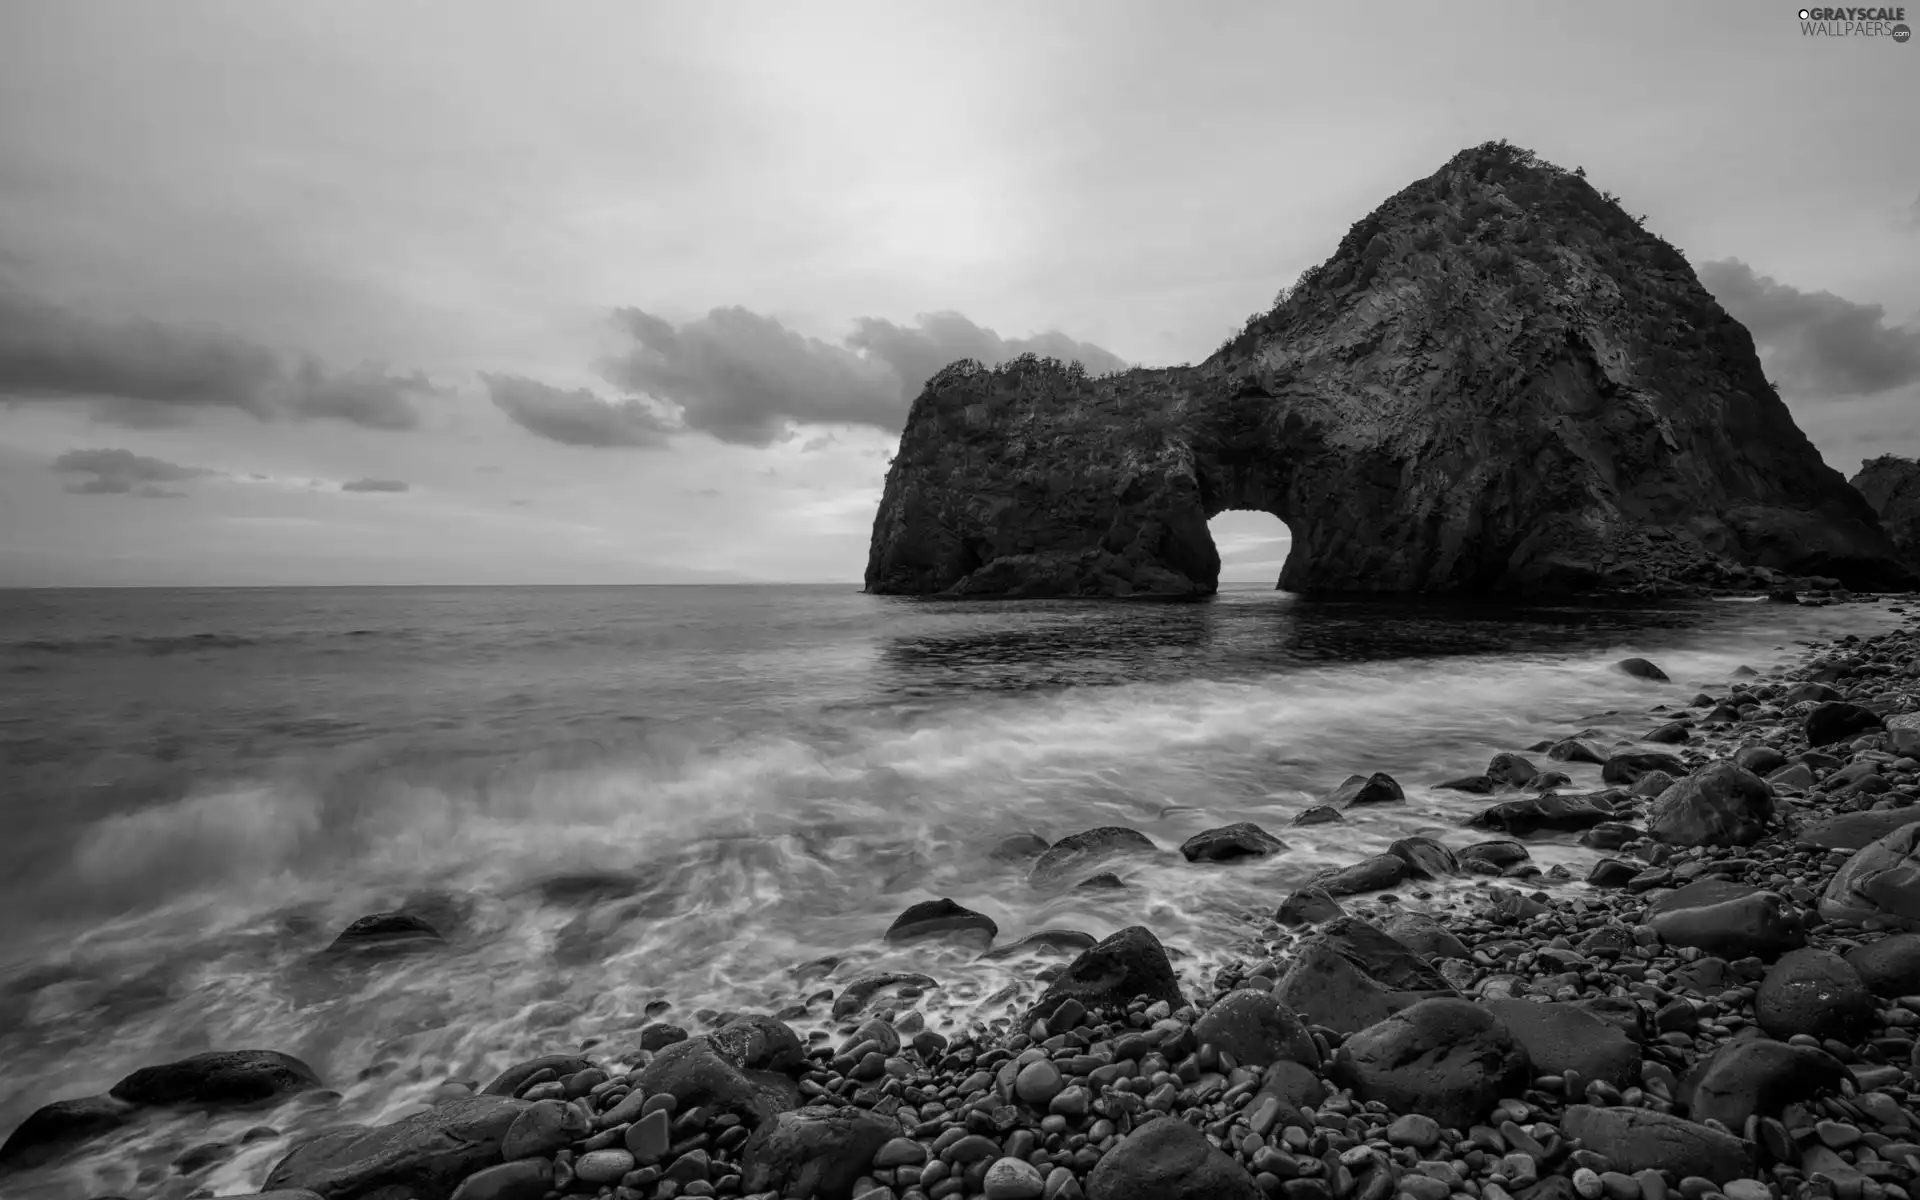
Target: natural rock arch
(1499, 383)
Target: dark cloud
(124, 473)
(375, 485)
(147, 373)
(744, 378)
(576, 418)
(1816, 342)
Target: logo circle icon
(1901, 33)
(1805, 14)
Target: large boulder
(1424, 935)
(1108, 976)
(424, 1156)
(1838, 721)
(1374, 874)
(1257, 1030)
(52, 1130)
(1242, 839)
(1168, 1159)
(1813, 992)
(1512, 466)
(744, 1068)
(1357, 790)
(1449, 1058)
(1750, 923)
(1853, 830)
(222, 1077)
(1639, 1139)
(1325, 988)
(1756, 1075)
(1889, 967)
(814, 1153)
(1880, 882)
(1425, 857)
(1560, 1037)
(1080, 854)
(1723, 805)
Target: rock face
(1892, 486)
(1498, 383)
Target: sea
(623, 804)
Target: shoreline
(1231, 1063)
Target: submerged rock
(1229, 842)
(941, 918)
(1079, 854)
(52, 1130)
(1551, 813)
(222, 1077)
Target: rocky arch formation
(1498, 384)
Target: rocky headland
(1499, 383)
(1892, 486)
(1726, 1004)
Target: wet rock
(1169, 1160)
(1079, 854)
(1609, 835)
(1757, 923)
(858, 992)
(1794, 777)
(1058, 941)
(1494, 856)
(1105, 881)
(1560, 1037)
(1325, 988)
(426, 1155)
(658, 1035)
(1813, 992)
(1723, 805)
(1478, 785)
(743, 1069)
(1373, 874)
(511, 1081)
(1510, 770)
(1377, 788)
(52, 1130)
(1257, 1030)
(1881, 881)
(1889, 967)
(1448, 1058)
(1308, 906)
(1018, 847)
(1639, 1139)
(1673, 733)
(1758, 1076)
(1243, 839)
(1837, 722)
(1854, 830)
(814, 1153)
(1640, 668)
(1626, 769)
(1575, 750)
(528, 1179)
(1130, 963)
(1319, 814)
(382, 934)
(1759, 759)
(941, 918)
(1424, 935)
(1551, 813)
(542, 1128)
(223, 1077)
(1425, 858)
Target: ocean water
(613, 797)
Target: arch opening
(1253, 545)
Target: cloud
(576, 418)
(148, 373)
(1817, 342)
(124, 473)
(744, 378)
(375, 485)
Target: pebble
(603, 1166)
(1013, 1179)
(1588, 1184)
(648, 1138)
(1746, 1189)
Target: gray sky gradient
(631, 293)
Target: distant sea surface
(614, 796)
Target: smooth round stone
(1013, 1179)
(1746, 1189)
(603, 1166)
(900, 1152)
(1415, 1130)
(647, 1139)
(1586, 1181)
(1038, 1083)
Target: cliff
(1498, 383)
(1892, 486)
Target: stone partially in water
(426, 1155)
(1640, 668)
(1626, 769)
(1078, 854)
(222, 1077)
(1425, 858)
(1359, 790)
(1106, 977)
(942, 918)
(1373, 874)
(388, 933)
(54, 1129)
(1243, 839)
(1552, 813)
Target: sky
(399, 292)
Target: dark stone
(1319, 814)
(1552, 813)
(1079, 853)
(858, 992)
(1889, 967)
(1424, 935)
(1757, 1076)
(1017, 847)
(1811, 693)
(1673, 733)
(659, 1035)
(1560, 1037)
(1723, 805)
(1711, 889)
(1495, 856)
(744, 1068)
(1612, 873)
(1377, 788)
(941, 918)
(1839, 722)
(814, 1153)
(1373, 874)
(1448, 1058)
(1168, 1159)
(1881, 881)
(1510, 770)
(1051, 941)
(1243, 839)
(1816, 993)
(1609, 835)
(1106, 977)
(1626, 769)
(387, 933)
(510, 1081)
(1349, 975)
(1425, 858)
(1257, 1030)
(1478, 785)
(1851, 831)
(223, 1077)
(1105, 881)
(1308, 906)
(1892, 486)
(1639, 1139)
(52, 1130)
(526, 1179)
(1575, 750)
(1757, 923)
(1640, 668)
(426, 1155)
